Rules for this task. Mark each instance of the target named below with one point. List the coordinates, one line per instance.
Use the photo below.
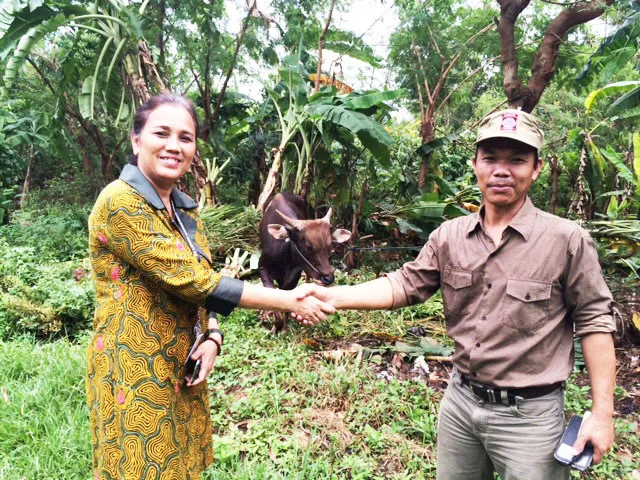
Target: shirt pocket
(527, 304)
(456, 289)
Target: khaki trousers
(476, 438)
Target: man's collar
(524, 219)
(521, 223)
(132, 175)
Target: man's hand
(597, 429)
(207, 352)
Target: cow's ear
(341, 235)
(278, 231)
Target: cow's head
(314, 240)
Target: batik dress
(152, 283)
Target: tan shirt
(511, 310)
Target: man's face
(505, 171)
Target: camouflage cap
(511, 123)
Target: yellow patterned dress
(151, 287)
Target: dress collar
(132, 175)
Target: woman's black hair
(143, 112)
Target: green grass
(280, 409)
(44, 425)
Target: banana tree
(308, 122)
(24, 24)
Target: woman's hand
(207, 352)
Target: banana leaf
(363, 101)
(636, 159)
(84, 98)
(435, 144)
(6, 16)
(22, 21)
(627, 102)
(614, 51)
(372, 135)
(25, 44)
(347, 43)
(611, 89)
(616, 160)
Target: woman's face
(166, 145)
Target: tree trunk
(555, 175)
(352, 259)
(272, 177)
(27, 179)
(321, 46)
(427, 129)
(260, 171)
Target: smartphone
(564, 451)
(192, 367)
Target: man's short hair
(523, 147)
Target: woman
(153, 277)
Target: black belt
(506, 396)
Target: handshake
(313, 303)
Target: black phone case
(564, 451)
(190, 364)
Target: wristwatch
(210, 332)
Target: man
(516, 283)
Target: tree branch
(545, 62)
(509, 12)
(424, 74)
(245, 25)
(321, 46)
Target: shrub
(45, 299)
(230, 227)
(55, 232)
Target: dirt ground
(393, 365)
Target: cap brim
(511, 136)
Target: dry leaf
(421, 366)
(5, 397)
(396, 361)
(385, 336)
(273, 457)
(301, 437)
(310, 342)
(243, 426)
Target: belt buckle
(480, 390)
(491, 395)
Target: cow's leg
(267, 317)
(289, 283)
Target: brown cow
(290, 244)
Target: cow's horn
(327, 217)
(292, 222)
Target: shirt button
(477, 345)
(484, 317)
(527, 297)
(488, 285)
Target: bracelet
(211, 331)
(217, 344)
